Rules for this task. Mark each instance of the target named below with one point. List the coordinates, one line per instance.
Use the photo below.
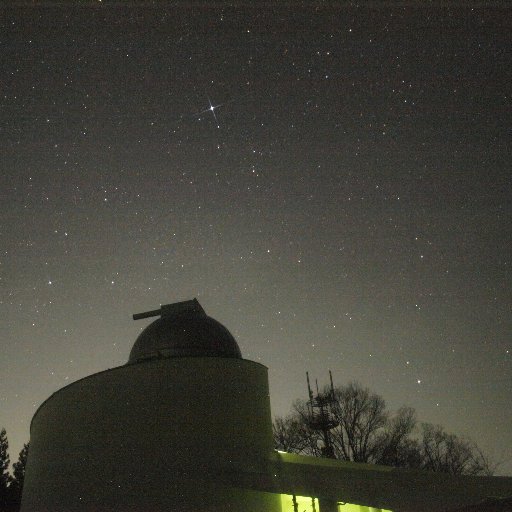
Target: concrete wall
(158, 435)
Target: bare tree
(447, 453)
(292, 435)
(396, 447)
(366, 432)
(360, 415)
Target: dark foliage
(5, 478)
(18, 477)
(11, 486)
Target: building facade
(186, 426)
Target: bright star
(211, 109)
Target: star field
(332, 183)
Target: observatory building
(185, 426)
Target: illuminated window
(308, 504)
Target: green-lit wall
(159, 435)
(308, 504)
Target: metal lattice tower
(321, 415)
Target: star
(211, 109)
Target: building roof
(397, 489)
(183, 330)
(488, 505)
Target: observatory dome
(183, 330)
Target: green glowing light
(308, 504)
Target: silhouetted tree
(5, 478)
(395, 446)
(361, 419)
(447, 453)
(366, 432)
(362, 416)
(18, 478)
(292, 435)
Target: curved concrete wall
(160, 435)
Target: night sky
(331, 182)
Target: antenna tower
(321, 415)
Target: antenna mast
(321, 415)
